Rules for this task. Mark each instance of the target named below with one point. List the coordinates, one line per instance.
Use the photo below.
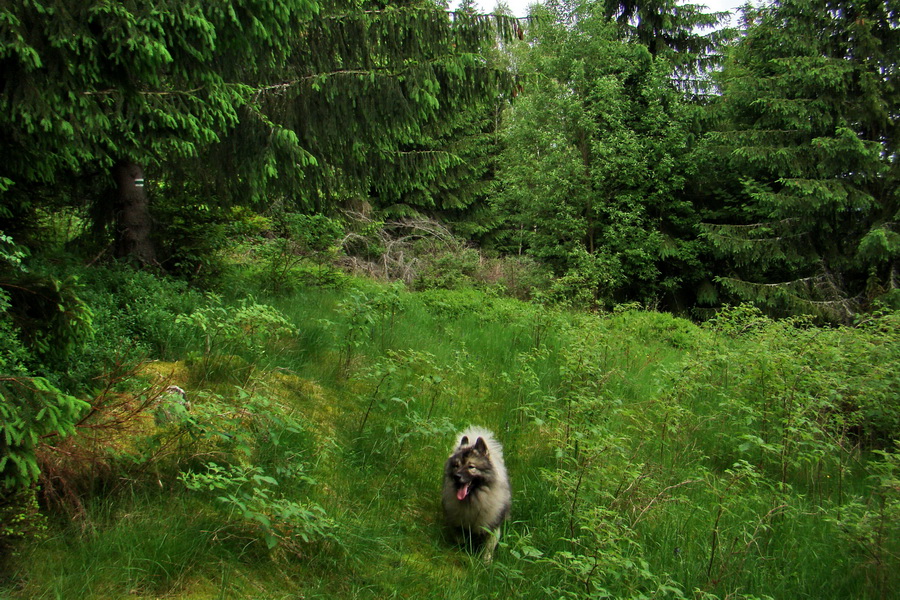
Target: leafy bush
(250, 330)
(250, 500)
(190, 241)
(51, 316)
(406, 387)
(243, 221)
(260, 474)
(589, 280)
(297, 252)
(283, 268)
(141, 307)
(870, 524)
(448, 270)
(801, 400)
(518, 276)
(654, 327)
(20, 519)
(364, 319)
(135, 316)
(455, 303)
(315, 233)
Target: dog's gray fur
(476, 493)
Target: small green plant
(251, 502)
(300, 240)
(605, 562)
(365, 318)
(20, 519)
(389, 304)
(412, 381)
(870, 526)
(359, 315)
(251, 330)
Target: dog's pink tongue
(462, 492)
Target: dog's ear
(481, 445)
(464, 441)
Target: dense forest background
(633, 152)
(259, 260)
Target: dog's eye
(473, 468)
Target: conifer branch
(286, 85)
(800, 294)
(111, 91)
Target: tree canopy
(808, 119)
(574, 135)
(593, 168)
(312, 101)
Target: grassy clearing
(649, 457)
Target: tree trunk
(133, 222)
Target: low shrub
(249, 330)
(20, 520)
(135, 314)
(253, 507)
(520, 277)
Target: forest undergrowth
(650, 457)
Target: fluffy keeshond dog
(476, 494)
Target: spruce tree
(684, 32)
(809, 107)
(305, 99)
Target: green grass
(626, 438)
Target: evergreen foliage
(31, 410)
(670, 28)
(313, 101)
(369, 92)
(89, 83)
(394, 110)
(808, 118)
